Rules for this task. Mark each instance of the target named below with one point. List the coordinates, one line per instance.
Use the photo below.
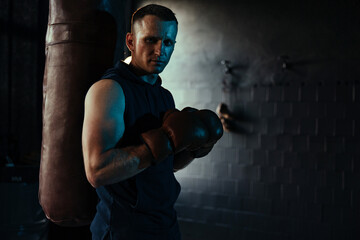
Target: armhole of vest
(126, 92)
(169, 97)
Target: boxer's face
(151, 44)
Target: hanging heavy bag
(80, 45)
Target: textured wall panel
(292, 172)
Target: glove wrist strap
(158, 143)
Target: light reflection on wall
(194, 77)
(193, 73)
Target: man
(134, 138)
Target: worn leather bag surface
(80, 44)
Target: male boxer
(134, 138)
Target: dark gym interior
(286, 78)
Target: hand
(215, 129)
(180, 130)
(186, 129)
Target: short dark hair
(161, 12)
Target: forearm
(118, 164)
(182, 159)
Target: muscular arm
(103, 127)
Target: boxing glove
(215, 129)
(180, 130)
(211, 120)
(213, 123)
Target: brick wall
(293, 169)
(293, 175)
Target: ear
(130, 41)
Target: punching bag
(80, 45)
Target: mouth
(157, 61)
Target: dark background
(23, 28)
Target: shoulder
(105, 87)
(169, 96)
(105, 84)
(165, 91)
(105, 92)
(117, 72)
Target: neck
(146, 77)
(151, 78)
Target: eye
(150, 40)
(168, 42)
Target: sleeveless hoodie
(141, 207)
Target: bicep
(103, 123)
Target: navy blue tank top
(141, 207)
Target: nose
(159, 48)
